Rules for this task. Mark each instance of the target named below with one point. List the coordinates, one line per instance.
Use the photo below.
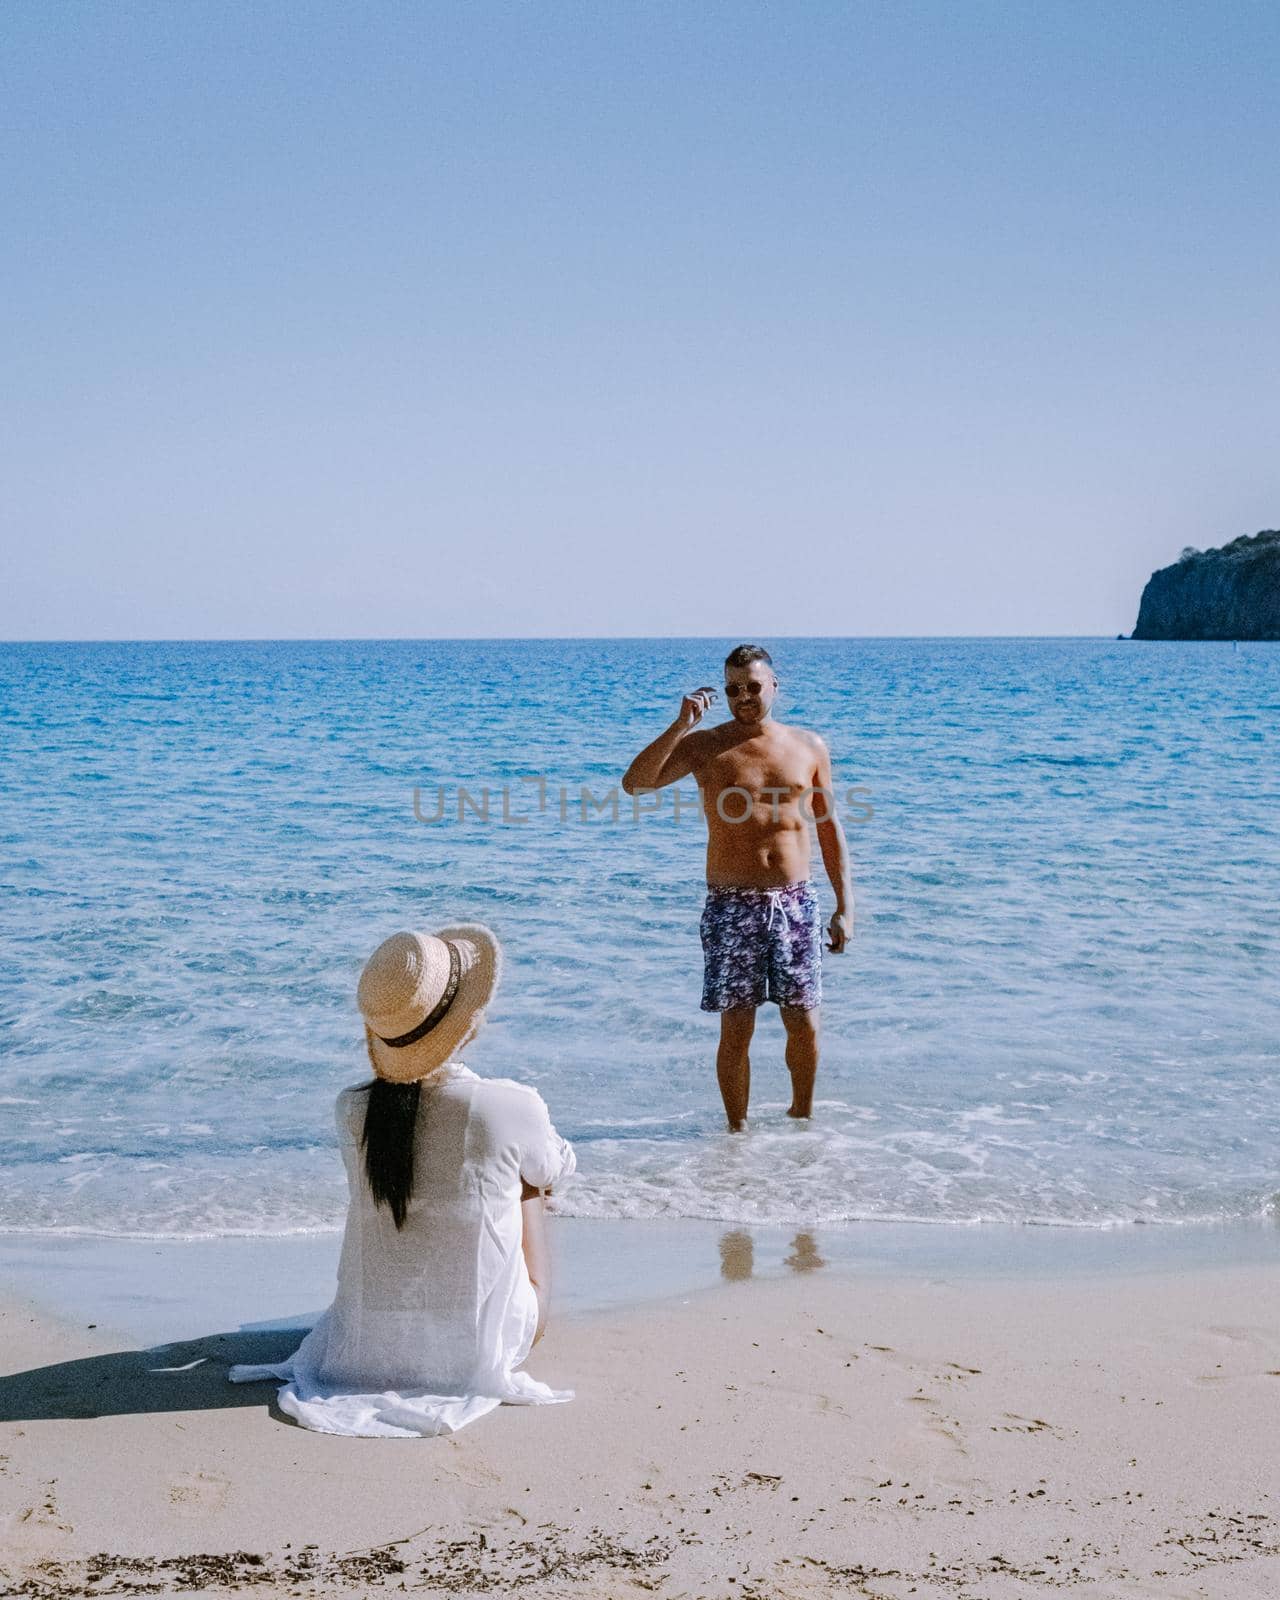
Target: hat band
(437, 1012)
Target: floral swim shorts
(762, 944)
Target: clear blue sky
(641, 318)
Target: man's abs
(757, 805)
(749, 856)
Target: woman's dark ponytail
(389, 1122)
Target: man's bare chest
(757, 771)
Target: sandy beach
(820, 1434)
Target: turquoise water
(1062, 1004)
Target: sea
(1061, 1006)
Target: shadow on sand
(190, 1375)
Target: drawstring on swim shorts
(775, 905)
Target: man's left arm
(835, 850)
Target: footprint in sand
(475, 1474)
(40, 1527)
(199, 1491)
(936, 1420)
(1238, 1345)
(949, 1429)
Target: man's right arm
(672, 754)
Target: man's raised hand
(693, 707)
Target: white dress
(431, 1322)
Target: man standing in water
(761, 782)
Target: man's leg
(733, 1063)
(802, 1057)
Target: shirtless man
(761, 937)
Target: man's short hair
(743, 655)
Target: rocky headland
(1229, 593)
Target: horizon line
(576, 638)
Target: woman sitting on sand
(442, 1283)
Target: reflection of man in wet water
(761, 782)
(738, 1255)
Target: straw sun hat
(423, 994)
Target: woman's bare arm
(537, 1252)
